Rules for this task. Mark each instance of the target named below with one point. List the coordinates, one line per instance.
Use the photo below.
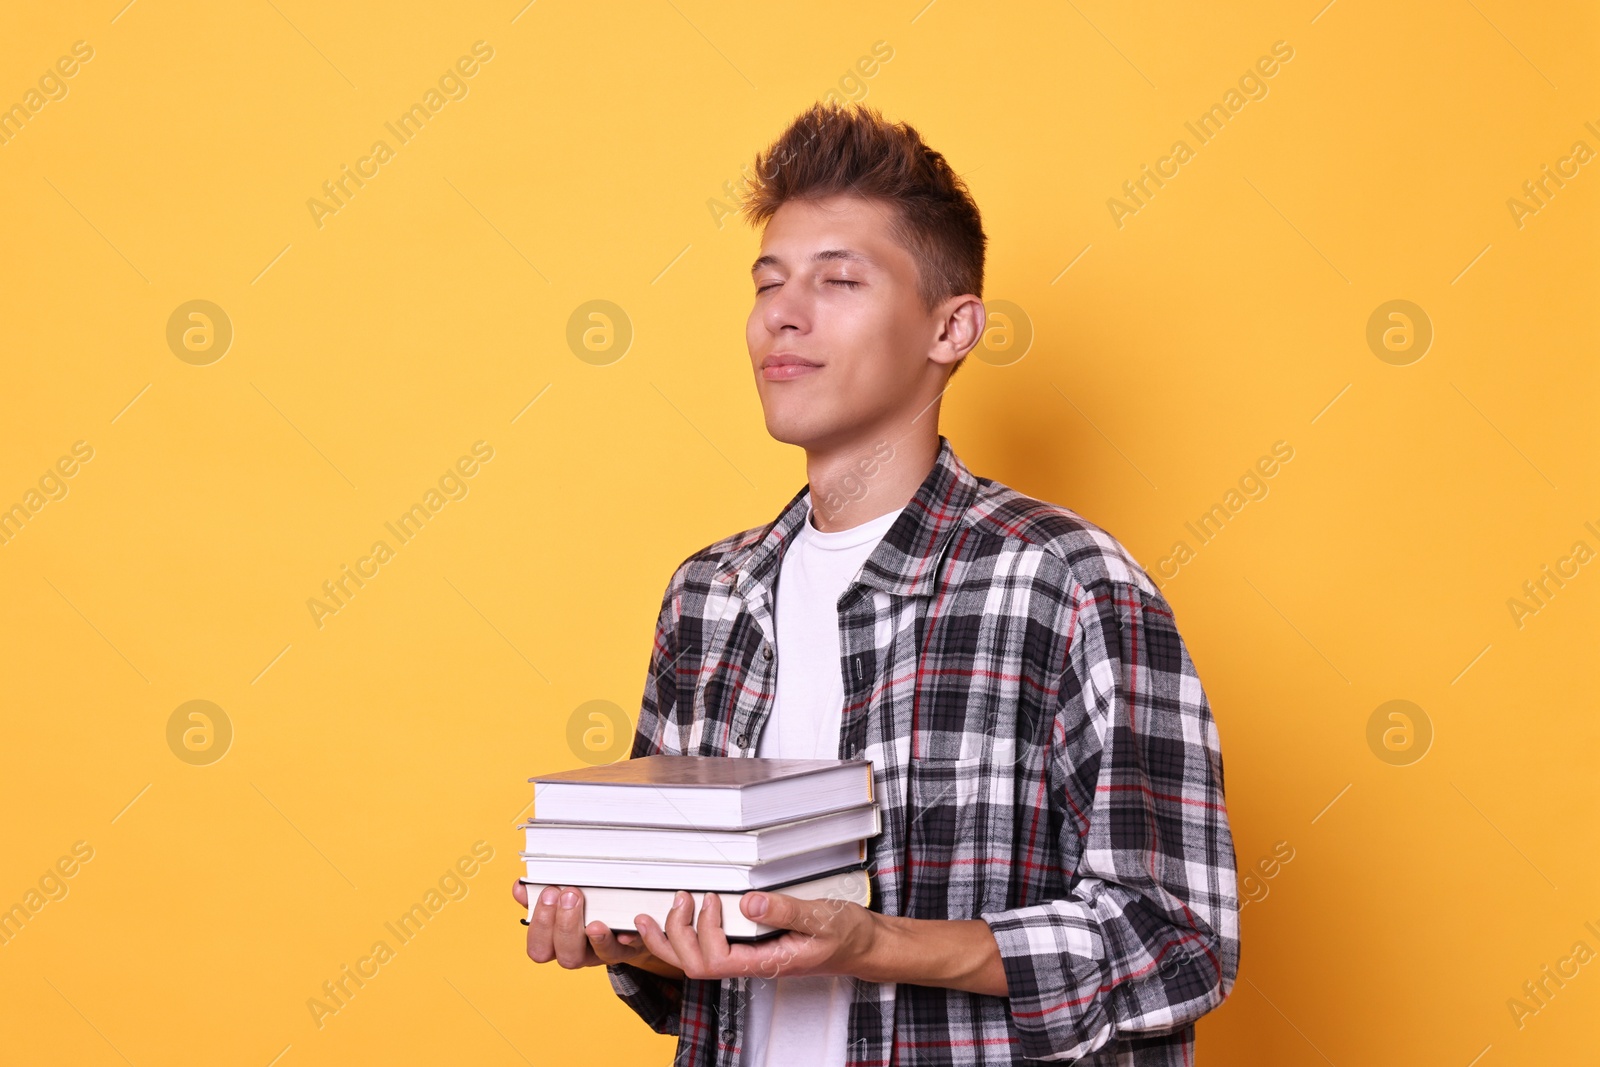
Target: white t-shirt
(802, 1021)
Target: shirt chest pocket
(945, 850)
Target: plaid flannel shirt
(1044, 756)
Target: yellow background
(369, 353)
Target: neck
(877, 474)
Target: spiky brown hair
(831, 149)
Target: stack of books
(631, 834)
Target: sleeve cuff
(656, 1000)
(1056, 997)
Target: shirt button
(742, 740)
(766, 651)
(727, 1035)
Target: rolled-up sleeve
(657, 1000)
(1147, 938)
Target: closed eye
(831, 281)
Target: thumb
(774, 909)
(608, 946)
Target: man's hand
(822, 937)
(557, 932)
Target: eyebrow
(827, 254)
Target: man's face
(839, 340)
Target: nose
(787, 308)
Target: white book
(761, 845)
(671, 874)
(618, 908)
(702, 792)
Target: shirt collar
(905, 562)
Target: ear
(960, 322)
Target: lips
(786, 366)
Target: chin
(795, 428)
(784, 433)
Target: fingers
(520, 891)
(571, 943)
(609, 946)
(655, 941)
(713, 942)
(781, 909)
(541, 928)
(680, 932)
(676, 942)
(791, 913)
(701, 949)
(557, 931)
(768, 915)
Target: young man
(1055, 875)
